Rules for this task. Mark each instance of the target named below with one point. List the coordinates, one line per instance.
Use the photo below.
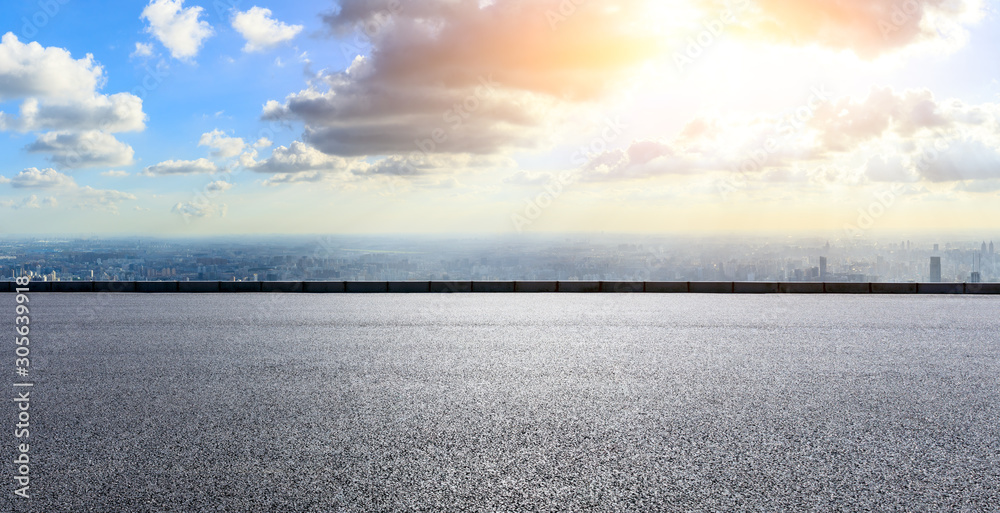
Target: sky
(183, 117)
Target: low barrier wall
(400, 287)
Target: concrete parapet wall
(801, 288)
(323, 287)
(203, 287)
(408, 287)
(711, 287)
(160, 287)
(623, 286)
(894, 288)
(239, 286)
(982, 288)
(577, 287)
(667, 287)
(536, 286)
(755, 287)
(847, 288)
(444, 287)
(72, 286)
(366, 287)
(395, 287)
(493, 286)
(115, 286)
(941, 288)
(281, 286)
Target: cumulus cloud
(868, 27)
(200, 209)
(115, 174)
(642, 159)
(888, 136)
(295, 158)
(28, 69)
(888, 169)
(291, 178)
(60, 94)
(65, 186)
(142, 50)
(958, 160)
(846, 122)
(84, 149)
(176, 27)
(34, 178)
(218, 186)
(101, 199)
(120, 112)
(461, 76)
(181, 167)
(262, 31)
(223, 145)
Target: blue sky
(175, 117)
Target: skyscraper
(822, 268)
(935, 269)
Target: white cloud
(101, 199)
(296, 158)
(142, 50)
(85, 197)
(218, 186)
(29, 70)
(182, 167)
(115, 174)
(177, 27)
(224, 147)
(200, 209)
(261, 31)
(29, 202)
(85, 149)
(263, 142)
(120, 112)
(34, 178)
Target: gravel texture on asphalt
(294, 403)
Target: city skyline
(193, 118)
(568, 258)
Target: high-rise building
(937, 247)
(991, 247)
(935, 269)
(822, 268)
(982, 251)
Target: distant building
(991, 247)
(937, 247)
(983, 250)
(976, 277)
(935, 269)
(822, 268)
